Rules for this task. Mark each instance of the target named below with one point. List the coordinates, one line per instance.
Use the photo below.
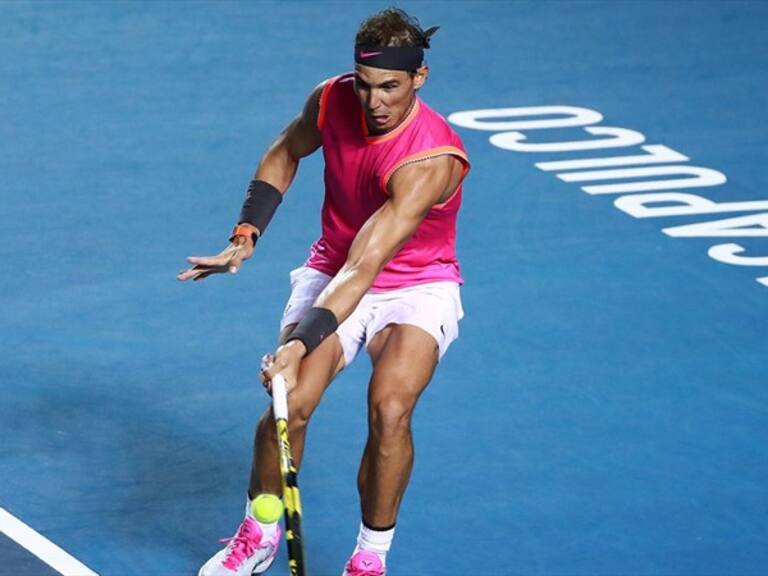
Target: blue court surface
(605, 410)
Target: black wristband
(316, 325)
(260, 204)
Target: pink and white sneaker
(364, 563)
(246, 553)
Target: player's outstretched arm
(413, 191)
(273, 177)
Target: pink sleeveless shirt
(358, 167)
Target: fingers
(275, 367)
(218, 260)
(229, 260)
(190, 273)
(199, 272)
(267, 362)
(186, 274)
(203, 275)
(272, 366)
(202, 267)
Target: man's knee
(390, 416)
(299, 411)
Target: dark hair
(391, 27)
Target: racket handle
(279, 398)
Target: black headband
(408, 58)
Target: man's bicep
(416, 188)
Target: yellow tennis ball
(267, 508)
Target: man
(383, 274)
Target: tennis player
(383, 275)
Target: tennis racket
(291, 496)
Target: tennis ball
(267, 508)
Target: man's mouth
(380, 119)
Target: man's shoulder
(337, 93)
(436, 128)
(340, 86)
(345, 80)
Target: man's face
(386, 95)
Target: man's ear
(420, 77)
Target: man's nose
(373, 100)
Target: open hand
(228, 260)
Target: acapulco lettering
(649, 161)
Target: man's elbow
(280, 151)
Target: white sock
(268, 530)
(378, 541)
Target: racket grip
(279, 398)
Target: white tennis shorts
(434, 307)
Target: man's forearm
(347, 288)
(376, 243)
(265, 192)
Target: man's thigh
(404, 358)
(435, 308)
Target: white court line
(41, 547)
